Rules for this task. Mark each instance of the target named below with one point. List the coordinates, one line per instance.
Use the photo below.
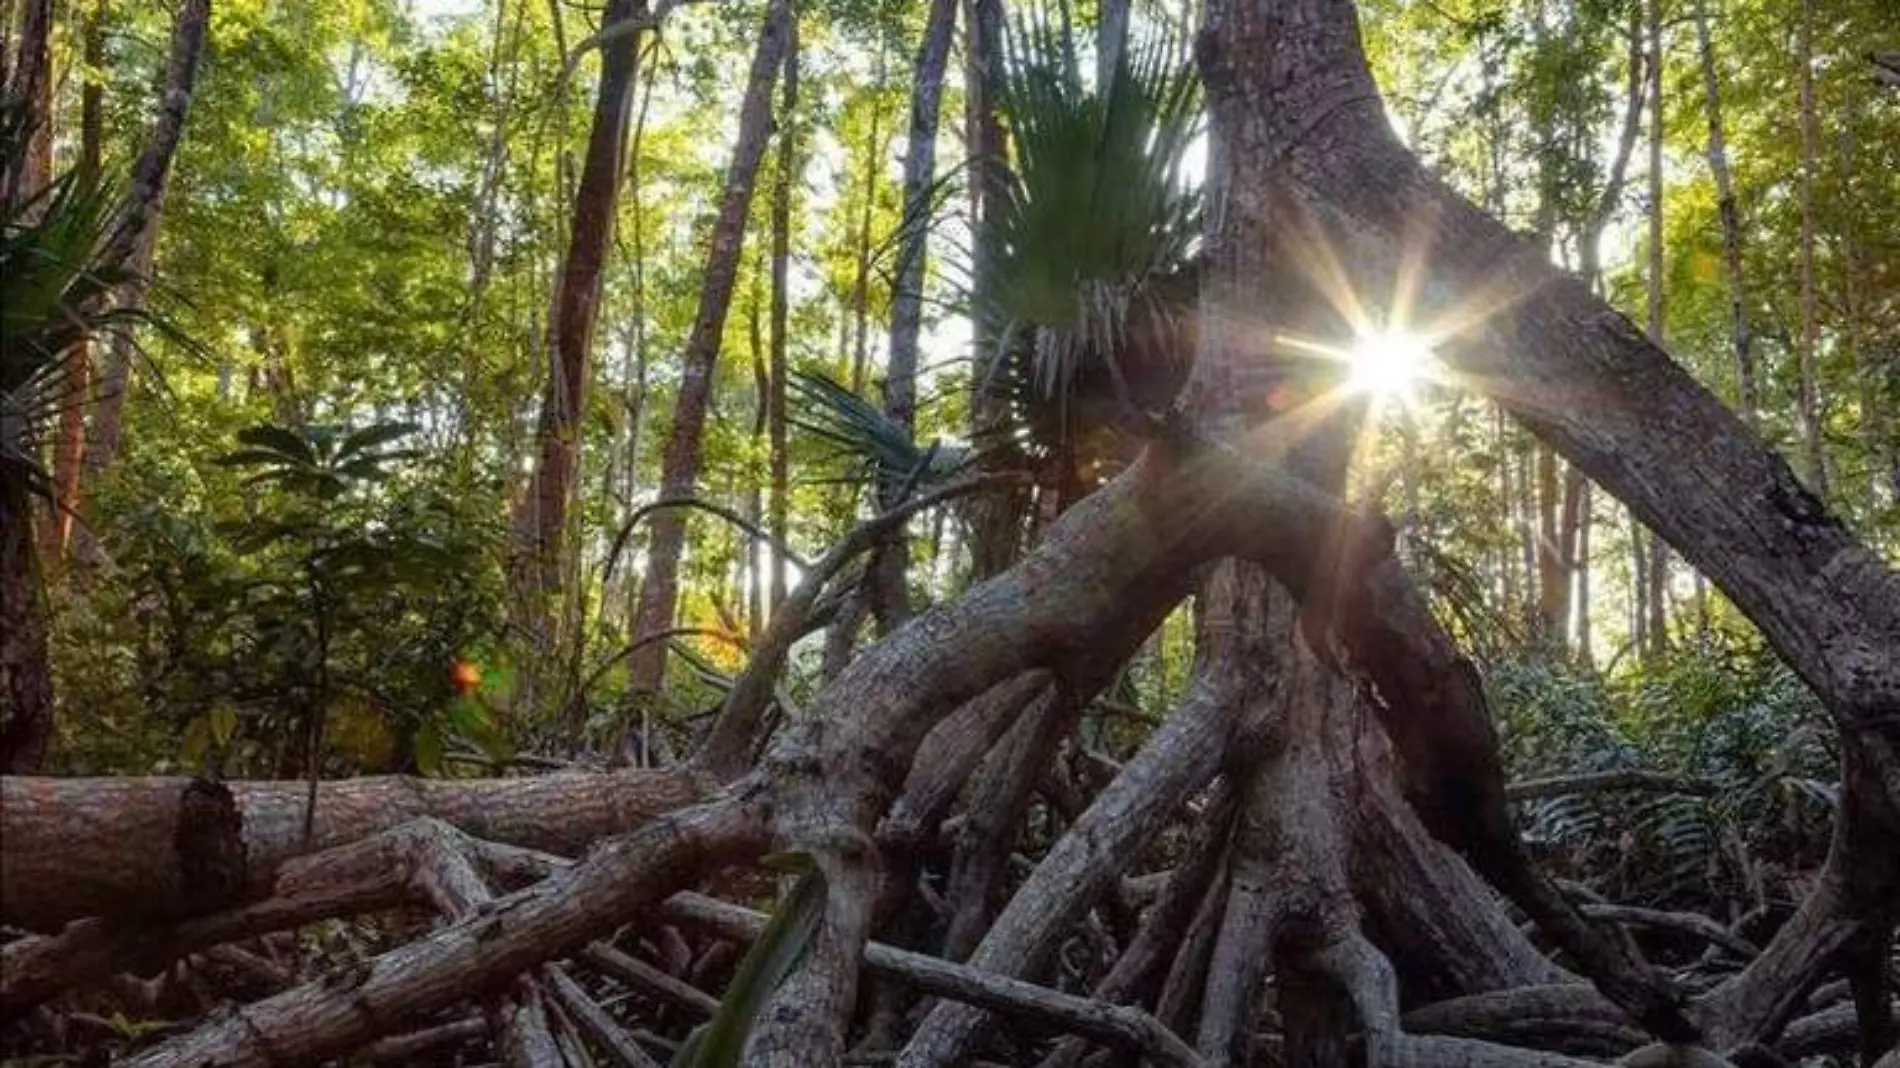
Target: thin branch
(1604, 781)
(640, 514)
(1114, 1025)
(602, 1030)
(1686, 922)
(647, 979)
(728, 748)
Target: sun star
(1388, 364)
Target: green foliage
(1725, 715)
(348, 592)
(56, 281)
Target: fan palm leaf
(1097, 213)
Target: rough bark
(126, 847)
(540, 519)
(1581, 377)
(26, 673)
(997, 797)
(28, 79)
(679, 475)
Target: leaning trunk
(541, 517)
(1748, 394)
(889, 591)
(680, 468)
(135, 236)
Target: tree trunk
(1748, 393)
(873, 167)
(1653, 569)
(135, 236)
(784, 188)
(1556, 548)
(540, 519)
(1341, 892)
(28, 78)
(26, 673)
(1586, 522)
(679, 475)
(890, 565)
(69, 445)
(996, 519)
(1814, 450)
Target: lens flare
(1389, 364)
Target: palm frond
(1097, 212)
(861, 431)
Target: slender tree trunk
(540, 521)
(1814, 449)
(890, 564)
(29, 80)
(679, 475)
(784, 189)
(750, 549)
(1748, 393)
(1111, 38)
(135, 237)
(1654, 570)
(1556, 541)
(873, 166)
(995, 519)
(69, 446)
(1589, 256)
(1586, 521)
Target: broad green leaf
(374, 436)
(276, 439)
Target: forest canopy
(1048, 532)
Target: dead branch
(112, 847)
(1113, 1025)
(734, 737)
(338, 1013)
(647, 979)
(1178, 760)
(407, 1049)
(1685, 922)
(602, 1030)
